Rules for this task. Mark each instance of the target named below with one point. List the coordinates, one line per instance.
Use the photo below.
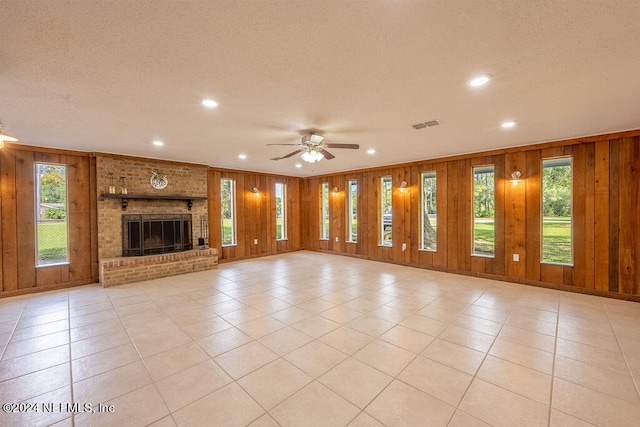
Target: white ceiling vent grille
(430, 123)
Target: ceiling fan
(314, 149)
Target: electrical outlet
(255, 241)
(404, 247)
(516, 257)
(336, 238)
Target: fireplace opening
(155, 234)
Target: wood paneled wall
(18, 272)
(606, 215)
(255, 215)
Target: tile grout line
(626, 361)
(412, 360)
(553, 365)
(486, 354)
(13, 331)
(154, 382)
(73, 415)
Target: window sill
(57, 264)
(483, 256)
(428, 250)
(384, 246)
(230, 245)
(556, 263)
(282, 240)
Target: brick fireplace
(183, 197)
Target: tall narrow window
(352, 211)
(228, 196)
(556, 211)
(429, 212)
(51, 214)
(324, 211)
(385, 209)
(483, 211)
(281, 212)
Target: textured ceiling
(112, 76)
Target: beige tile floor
(307, 339)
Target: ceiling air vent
(430, 123)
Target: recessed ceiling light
(209, 103)
(242, 156)
(298, 165)
(371, 151)
(158, 143)
(508, 124)
(479, 80)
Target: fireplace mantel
(125, 198)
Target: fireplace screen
(155, 234)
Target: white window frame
(385, 212)
(324, 211)
(482, 169)
(282, 189)
(232, 208)
(423, 176)
(352, 211)
(37, 212)
(559, 159)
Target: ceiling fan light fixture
(312, 156)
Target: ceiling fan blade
(350, 146)
(327, 155)
(293, 153)
(288, 155)
(283, 144)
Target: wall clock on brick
(159, 180)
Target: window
(324, 214)
(228, 196)
(352, 211)
(51, 215)
(281, 212)
(483, 211)
(556, 211)
(429, 212)
(385, 209)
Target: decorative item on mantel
(158, 180)
(109, 184)
(123, 185)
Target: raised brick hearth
(184, 181)
(120, 270)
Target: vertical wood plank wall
(255, 214)
(18, 272)
(606, 215)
